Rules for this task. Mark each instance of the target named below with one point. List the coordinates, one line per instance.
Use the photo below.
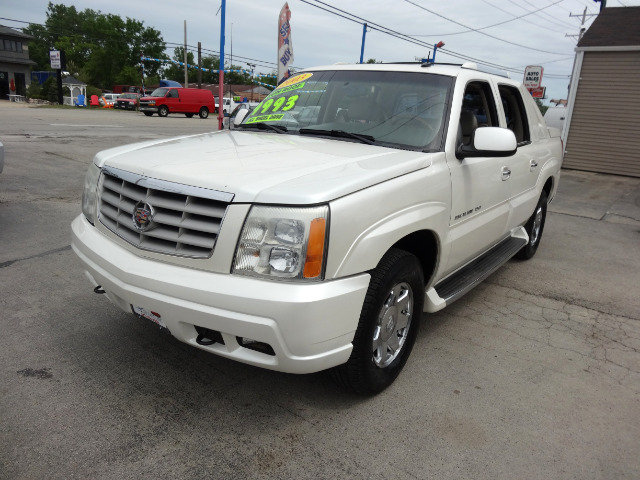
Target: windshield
(159, 92)
(128, 95)
(401, 109)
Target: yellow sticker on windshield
(295, 79)
(265, 118)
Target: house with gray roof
(603, 117)
(14, 62)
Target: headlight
(89, 194)
(283, 242)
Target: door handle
(506, 173)
(532, 165)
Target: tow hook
(99, 290)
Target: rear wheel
(148, 114)
(388, 325)
(204, 112)
(534, 228)
(188, 115)
(163, 111)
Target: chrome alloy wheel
(537, 225)
(392, 326)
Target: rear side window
(515, 113)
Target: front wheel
(388, 325)
(204, 112)
(163, 111)
(534, 228)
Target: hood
(266, 167)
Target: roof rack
(429, 64)
(485, 69)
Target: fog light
(256, 346)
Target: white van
(555, 117)
(109, 98)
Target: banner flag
(285, 47)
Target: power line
(495, 24)
(410, 39)
(530, 21)
(482, 33)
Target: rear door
(522, 168)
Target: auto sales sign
(532, 76)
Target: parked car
(189, 101)
(127, 101)
(108, 99)
(556, 117)
(248, 107)
(301, 247)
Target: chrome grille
(186, 219)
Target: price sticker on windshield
(282, 99)
(270, 108)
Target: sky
(508, 34)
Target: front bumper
(145, 108)
(310, 327)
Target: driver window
(173, 94)
(478, 110)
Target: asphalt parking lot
(533, 375)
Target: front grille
(186, 220)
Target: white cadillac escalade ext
(314, 235)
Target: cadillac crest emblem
(143, 216)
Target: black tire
(396, 287)
(163, 111)
(148, 114)
(534, 228)
(204, 112)
(188, 115)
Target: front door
(480, 199)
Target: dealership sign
(532, 76)
(54, 56)
(538, 92)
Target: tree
(176, 72)
(543, 108)
(102, 48)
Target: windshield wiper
(264, 126)
(368, 139)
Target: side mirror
(240, 116)
(489, 142)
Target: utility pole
(199, 65)
(584, 19)
(186, 73)
(223, 7)
(579, 35)
(142, 71)
(252, 66)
